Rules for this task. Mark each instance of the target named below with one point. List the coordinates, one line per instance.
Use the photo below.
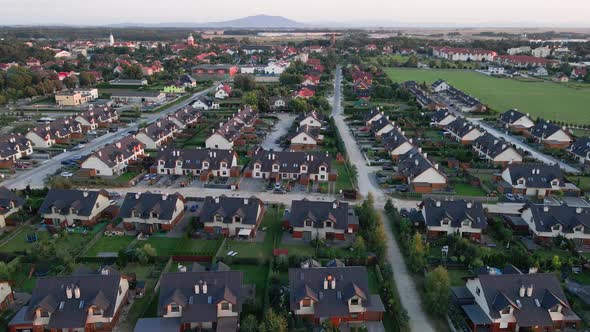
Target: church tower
(190, 40)
(111, 39)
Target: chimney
(333, 283)
(335, 205)
(164, 197)
(197, 289)
(411, 140)
(546, 208)
(69, 292)
(245, 201)
(326, 283)
(529, 290)
(205, 287)
(216, 200)
(436, 165)
(118, 144)
(522, 291)
(137, 195)
(77, 292)
(437, 203)
(425, 155)
(469, 205)
(420, 150)
(578, 210)
(214, 154)
(85, 193)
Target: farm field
(548, 100)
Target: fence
(443, 197)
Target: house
(199, 300)
(464, 218)
(442, 118)
(541, 52)
(534, 180)
(234, 131)
(14, 147)
(6, 295)
(396, 144)
(137, 97)
(547, 222)
(252, 69)
(514, 301)
(232, 216)
(113, 159)
(60, 131)
(561, 78)
(516, 120)
(205, 103)
(222, 91)
(157, 134)
(82, 301)
(339, 295)
(579, 72)
(551, 135)
(311, 119)
(187, 81)
(525, 61)
(279, 103)
(310, 220)
(276, 67)
(439, 86)
(381, 127)
(539, 71)
(75, 97)
(204, 163)
(373, 115)
(304, 166)
(121, 81)
(496, 150)
(463, 131)
(97, 118)
(420, 173)
(304, 93)
(305, 138)
(519, 50)
(10, 204)
(151, 212)
(362, 103)
(215, 72)
(65, 207)
(581, 150)
(185, 117)
(463, 54)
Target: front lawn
(109, 244)
(72, 243)
(466, 189)
(127, 176)
(254, 274)
(344, 179)
(457, 275)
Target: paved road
(406, 287)
(280, 129)
(534, 153)
(36, 177)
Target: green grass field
(548, 100)
(109, 244)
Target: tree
(417, 253)
(250, 98)
(70, 82)
(556, 263)
(249, 324)
(146, 253)
(412, 62)
(7, 270)
(389, 205)
(133, 72)
(244, 82)
(273, 322)
(359, 246)
(437, 287)
(298, 105)
(87, 79)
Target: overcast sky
(434, 12)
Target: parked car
(510, 197)
(78, 147)
(402, 188)
(67, 174)
(194, 208)
(22, 165)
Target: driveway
(406, 287)
(36, 177)
(280, 129)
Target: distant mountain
(256, 22)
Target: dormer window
(224, 306)
(520, 181)
(466, 223)
(275, 167)
(135, 214)
(174, 307)
(306, 303)
(256, 166)
(556, 227)
(154, 214)
(308, 223)
(303, 169)
(322, 168)
(505, 311)
(354, 301)
(97, 312)
(205, 164)
(579, 228)
(328, 224)
(179, 163)
(446, 221)
(555, 308)
(43, 313)
(223, 165)
(555, 183)
(218, 218)
(237, 219)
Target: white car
(67, 174)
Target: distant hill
(256, 22)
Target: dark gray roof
(581, 147)
(393, 140)
(413, 163)
(341, 214)
(179, 288)
(145, 203)
(511, 116)
(456, 211)
(122, 149)
(569, 217)
(536, 176)
(503, 290)
(491, 145)
(371, 114)
(310, 131)
(8, 198)
(460, 127)
(380, 124)
(159, 129)
(81, 201)
(291, 161)
(440, 115)
(95, 290)
(158, 324)
(11, 144)
(543, 129)
(349, 281)
(249, 209)
(194, 158)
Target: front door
(307, 236)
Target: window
(555, 308)
(354, 302)
(257, 166)
(520, 181)
(328, 224)
(224, 306)
(43, 313)
(446, 221)
(174, 307)
(477, 291)
(223, 165)
(556, 227)
(304, 168)
(308, 223)
(322, 169)
(306, 303)
(505, 311)
(304, 138)
(218, 218)
(205, 165)
(96, 311)
(120, 290)
(237, 219)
